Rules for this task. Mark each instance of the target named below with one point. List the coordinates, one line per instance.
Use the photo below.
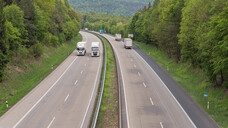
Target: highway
(147, 100)
(64, 99)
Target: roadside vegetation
(108, 115)
(27, 26)
(24, 76)
(194, 81)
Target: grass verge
(108, 115)
(24, 77)
(195, 82)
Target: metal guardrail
(96, 112)
(120, 83)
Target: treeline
(27, 25)
(118, 7)
(193, 31)
(189, 31)
(109, 23)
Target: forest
(118, 7)
(194, 32)
(28, 25)
(109, 23)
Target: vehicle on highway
(86, 29)
(127, 43)
(81, 48)
(118, 37)
(95, 49)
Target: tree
(29, 19)
(3, 43)
(16, 33)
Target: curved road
(148, 102)
(64, 99)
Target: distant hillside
(121, 7)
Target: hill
(120, 7)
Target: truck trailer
(118, 37)
(81, 48)
(128, 43)
(95, 49)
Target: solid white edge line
(125, 97)
(91, 95)
(161, 125)
(167, 89)
(151, 101)
(76, 82)
(66, 98)
(44, 94)
(51, 122)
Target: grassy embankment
(108, 115)
(194, 81)
(25, 76)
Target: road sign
(130, 35)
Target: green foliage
(109, 23)
(36, 50)
(120, 7)
(16, 33)
(13, 36)
(29, 19)
(28, 25)
(3, 42)
(41, 22)
(192, 31)
(70, 30)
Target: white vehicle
(95, 49)
(81, 48)
(86, 29)
(128, 43)
(118, 37)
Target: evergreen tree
(29, 19)
(3, 43)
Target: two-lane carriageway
(148, 102)
(64, 99)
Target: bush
(36, 50)
(62, 38)
(54, 41)
(22, 52)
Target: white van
(127, 43)
(81, 48)
(95, 49)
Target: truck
(81, 48)
(95, 49)
(86, 29)
(118, 37)
(127, 43)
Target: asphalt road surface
(148, 101)
(64, 99)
